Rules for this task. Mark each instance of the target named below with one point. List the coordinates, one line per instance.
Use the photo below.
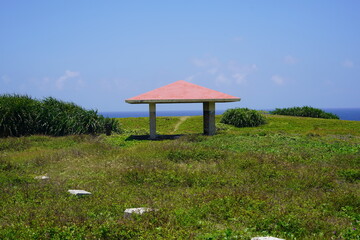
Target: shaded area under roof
(182, 92)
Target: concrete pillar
(209, 118)
(152, 116)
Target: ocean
(352, 114)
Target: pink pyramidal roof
(182, 92)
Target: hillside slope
(293, 178)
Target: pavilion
(183, 92)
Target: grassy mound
(21, 115)
(304, 112)
(243, 117)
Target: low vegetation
(291, 178)
(305, 111)
(243, 117)
(21, 116)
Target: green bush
(19, 115)
(243, 117)
(305, 111)
(61, 118)
(22, 115)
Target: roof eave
(144, 101)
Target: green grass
(293, 178)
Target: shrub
(22, 115)
(243, 117)
(19, 115)
(305, 111)
(61, 118)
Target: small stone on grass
(79, 192)
(42, 177)
(139, 211)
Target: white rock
(139, 211)
(266, 238)
(79, 192)
(42, 177)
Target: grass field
(292, 178)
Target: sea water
(352, 114)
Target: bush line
(21, 115)
(305, 111)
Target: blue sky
(98, 53)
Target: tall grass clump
(305, 111)
(19, 115)
(22, 115)
(62, 118)
(243, 117)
